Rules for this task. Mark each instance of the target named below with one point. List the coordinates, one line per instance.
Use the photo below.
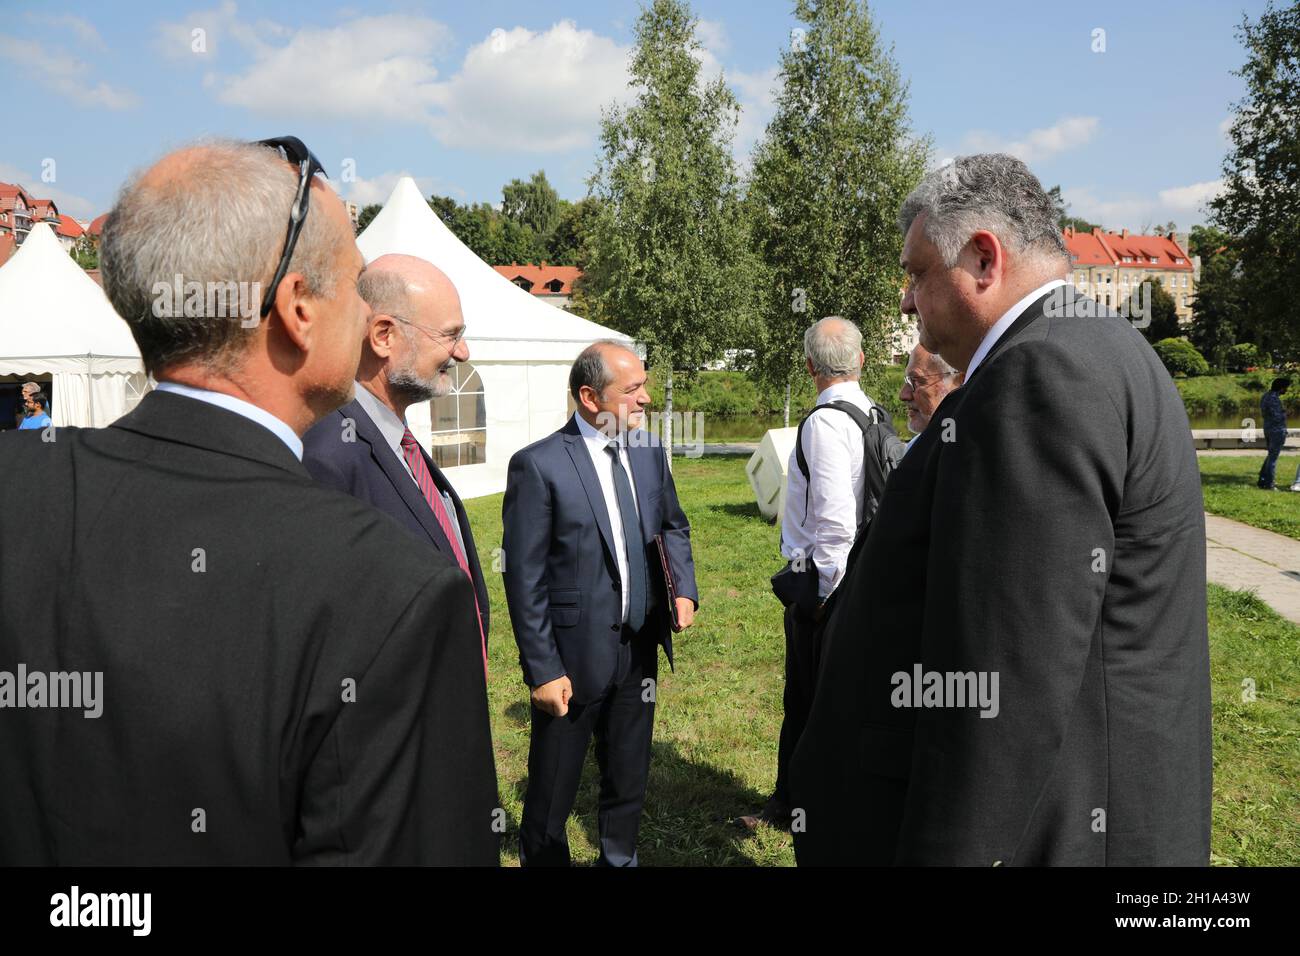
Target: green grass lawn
(718, 717)
(1228, 482)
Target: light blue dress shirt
(240, 407)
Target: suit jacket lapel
(646, 479)
(591, 485)
(396, 472)
(1027, 317)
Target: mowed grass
(718, 716)
(1228, 482)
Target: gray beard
(414, 389)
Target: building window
(459, 421)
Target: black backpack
(882, 449)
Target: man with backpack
(845, 449)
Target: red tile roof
(1099, 248)
(539, 276)
(68, 228)
(97, 225)
(7, 246)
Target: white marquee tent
(520, 347)
(55, 321)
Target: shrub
(1181, 358)
(1242, 356)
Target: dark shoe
(774, 814)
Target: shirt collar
(592, 435)
(240, 407)
(1001, 325)
(390, 426)
(839, 390)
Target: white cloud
(1067, 133)
(64, 74)
(69, 204)
(363, 192)
(83, 29)
(1185, 205)
(524, 90)
(1191, 198)
(372, 68)
(200, 35)
(712, 34)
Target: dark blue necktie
(635, 544)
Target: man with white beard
(416, 334)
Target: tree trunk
(787, 404)
(668, 416)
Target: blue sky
(465, 97)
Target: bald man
(413, 340)
(235, 665)
(927, 381)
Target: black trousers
(803, 639)
(622, 721)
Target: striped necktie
(415, 460)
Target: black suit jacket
(561, 572)
(365, 467)
(1047, 527)
(232, 604)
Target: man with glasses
(284, 676)
(926, 382)
(414, 338)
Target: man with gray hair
(927, 380)
(836, 474)
(415, 337)
(289, 677)
(1044, 542)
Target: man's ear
(587, 399)
(990, 257)
(807, 363)
(296, 310)
(382, 333)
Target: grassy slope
(1229, 486)
(719, 715)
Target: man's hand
(553, 696)
(685, 612)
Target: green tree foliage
(1062, 214)
(85, 253)
(1219, 305)
(566, 245)
(836, 161)
(1260, 203)
(492, 236)
(1164, 311)
(669, 259)
(1181, 357)
(367, 215)
(534, 203)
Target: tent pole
(90, 384)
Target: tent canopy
(54, 318)
(503, 322)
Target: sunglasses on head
(292, 150)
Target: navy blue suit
(366, 468)
(565, 596)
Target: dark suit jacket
(561, 573)
(367, 469)
(1056, 538)
(230, 603)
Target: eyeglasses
(438, 337)
(916, 383)
(292, 150)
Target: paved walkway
(1252, 559)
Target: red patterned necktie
(415, 459)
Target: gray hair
(991, 191)
(591, 369)
(834, 346)
(221, 225)
(939, 364)
(385, 291)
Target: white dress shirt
(393, 428)
(832, 445)
(596, 443)
(240, 407)
(1001, 325)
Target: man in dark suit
(286, 676)
(415, 336)
(589, 611)
(1018, 669)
